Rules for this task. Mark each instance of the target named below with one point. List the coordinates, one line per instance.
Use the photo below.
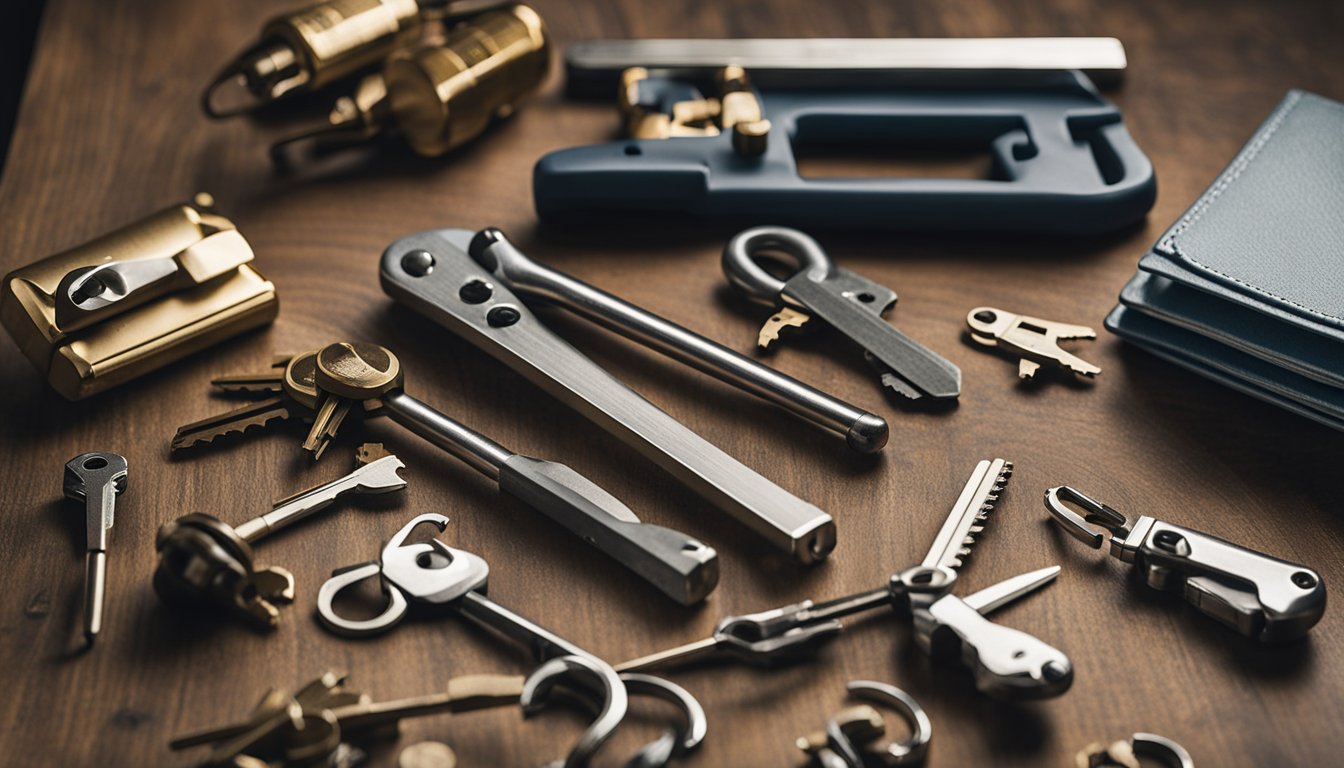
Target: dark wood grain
(110, 130)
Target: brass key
(291, 393)
(347, 373)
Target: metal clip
(1260, 596)
(176, 282)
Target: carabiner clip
(1095, 512)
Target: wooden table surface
(110, 130)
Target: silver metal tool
(1124, 752)
(435, 574)
(680, 566)
(436, 274)
(594, 67)
(312, 724)
(844, 743)
(1260, 596)
(95, 478)
(205, 561)
(1033, 340)
(1007, 664)
(850, 303)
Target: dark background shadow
(18, 31)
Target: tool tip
(868, 433)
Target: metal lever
(433, 273)
(864, 432)
(1260, 596)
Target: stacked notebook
(1248, 287)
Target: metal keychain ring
(739, 260)
(393, 613)
(914, 748)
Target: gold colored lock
(307, 49)
(135, 299)
(439, 95)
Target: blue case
(1248, 287)
(1063, 163)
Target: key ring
(739, 260)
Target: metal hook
(1161, 747)
(1094, 512)
(840, 745)
(345, 577)
(674, 741)
(602, 680)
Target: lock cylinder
(441, 96)
(307, 49)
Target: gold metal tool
(307, 49)
(440, 95)
(136, 299)
(736, 109)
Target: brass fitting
(307, 49)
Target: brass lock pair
(438, 89)
(136, 299)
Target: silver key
(850, 303)
(96, 478)
(379, 476)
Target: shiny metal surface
(1258, 595)
(848, 302)
(593, 67)
(95, 478)
(1033, 340)
(496, 321)
(433, 573)
(865, 432)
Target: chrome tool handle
(433, 273)
(1007, 663)
(1260, 596)
(680, 566)
(865, 432)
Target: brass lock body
(310, 48)
(136, 299)
(443, 95)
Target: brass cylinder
(442, 96)
(338, 37)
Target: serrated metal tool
(1007, 663)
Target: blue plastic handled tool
(1063, 161)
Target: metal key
(95, 478)
(348, 373)
(680, 566)
(291, 394)
(848, 302)
(311, 725)
(204, 560)
(1033, 340)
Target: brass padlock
(136, 299)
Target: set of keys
(324, 722)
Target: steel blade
(1008, 590)
(964, 522)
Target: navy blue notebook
(1247, 288)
